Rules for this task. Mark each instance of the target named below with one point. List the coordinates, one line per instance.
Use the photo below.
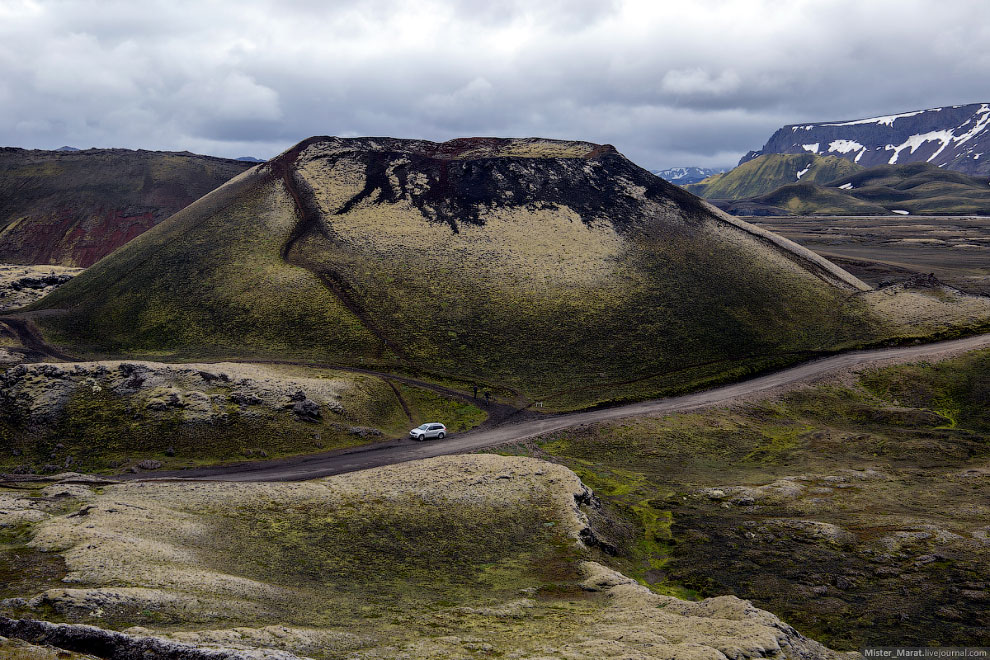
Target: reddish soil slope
(73, 208)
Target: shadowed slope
(543, 266)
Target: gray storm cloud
(686, 83)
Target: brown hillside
(72, 208)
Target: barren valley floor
(881, 248)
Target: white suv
(429, 430)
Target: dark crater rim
(462, 148)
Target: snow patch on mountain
(886, 120)
(979, 125)
(813, 148)
(847, 146)
(684, 175)
(844, 146)
(915, 141)
(803, 172)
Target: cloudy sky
(692, 82)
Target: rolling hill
(916, 189)
(71, 208)
(954, 137)
(801, 199)
(545, 268)
(919, 188)
(767, 173)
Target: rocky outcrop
(641, 624)
(198, 393)
(109, 644)
(22, 285)
(58, 416)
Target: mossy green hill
(916, 188)
(919, 188)
(804, 199)
(765, 174)
(542, 267)
(74, 207)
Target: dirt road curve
(321, 465)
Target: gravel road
(321, 465)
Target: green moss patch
(958, 389)
(24, 570)
(400, 553)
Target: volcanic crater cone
(547, 268)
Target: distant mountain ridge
(953, 137)
(684, 175)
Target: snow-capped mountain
(684, 175)
(954, 137)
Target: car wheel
(440, 435)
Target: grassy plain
(915, 189)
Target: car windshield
(424, 427)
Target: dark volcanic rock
(923, 281)
(456, 181)
(106, 643)
(244, 399)
(307, 409)
(40, 282)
